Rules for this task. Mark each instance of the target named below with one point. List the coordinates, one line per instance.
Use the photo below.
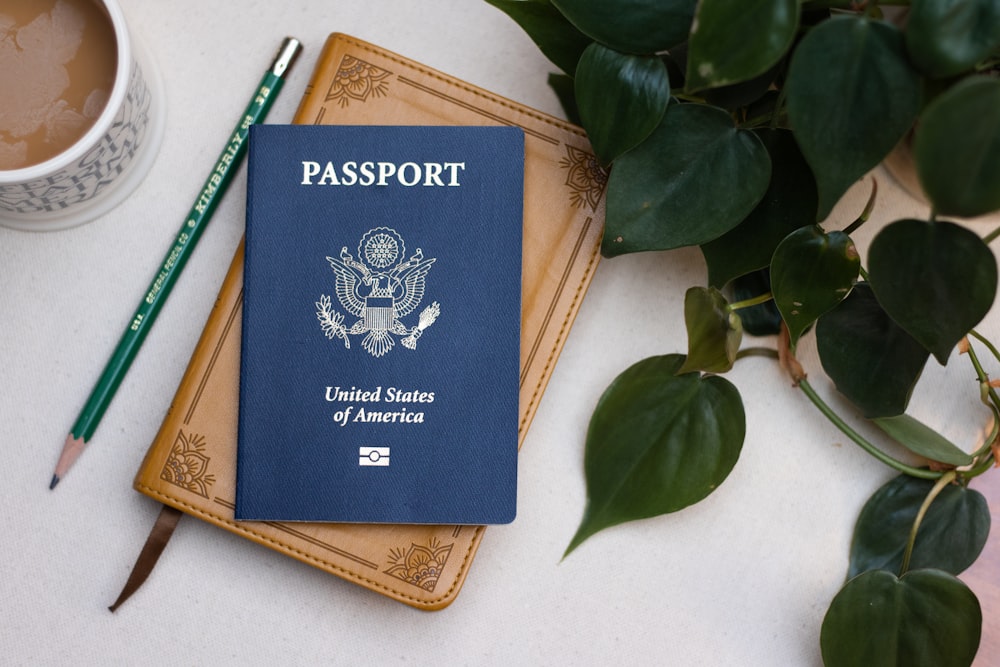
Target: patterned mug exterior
(97, 171)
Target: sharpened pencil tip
(70, 451)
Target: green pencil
(204, 206)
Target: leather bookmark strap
(151, 550)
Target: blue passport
(381, 325)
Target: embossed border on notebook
(191, 464)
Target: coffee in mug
(57, 62)
(80, 116)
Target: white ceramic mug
(107, 162)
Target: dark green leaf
(852, 95)
(873, 361)
(948, 37)
(563, 85)
(764, 318)
(632, 26)
(937, 280)
(789, 203)
(621, 97)
(952, 533)
(658, 442)
(742, 94)
(957, 149)
(736, 40)
(695, 178)
(812, 272)
(923, 440)
(548, 28)
(714, 331)
(927, 618)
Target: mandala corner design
(419, 565)
(357, 80)
(187, 465)
(585, 177)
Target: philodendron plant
(736, 126)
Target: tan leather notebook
(190, 465)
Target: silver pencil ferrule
(287, 54)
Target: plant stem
(753, 301)
(987, 64)
(759, 121)
(982, 339)
(944, 481)
(988, 392)
(848, 4)
(860, 440)
(982, 467)
(866, 213)
(987, 447)
(991, 399)
(989, 238)
(688, 97)
(757, 352)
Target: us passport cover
(191, 464)
(381, 325)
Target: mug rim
(91, 137)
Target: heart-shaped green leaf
(937, 280)
(852, 95)
(714, 331)
(621, 98)
(952, 533)
(923, 440)
(870, 358)
(811, 272)
(926, 618)
(693, 179)
(555, 36)
(957, 149)
(789, 203)
(948, 37)
(632, 26)
(736, 40)
(658, 442)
